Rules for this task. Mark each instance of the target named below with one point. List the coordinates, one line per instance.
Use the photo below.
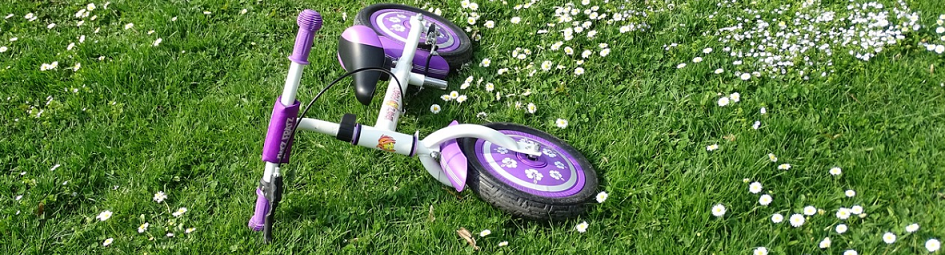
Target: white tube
(320, 126)
(475, 131)
(432, 166)
(291, 84)
(390, 109)
(270, 169)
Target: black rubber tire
(521, 204)
(455, 58)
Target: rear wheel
(557, 185)
(393, 21)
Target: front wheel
(554, 186)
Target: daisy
(760, 251)
(719, 71)
(435, 108)
(90, 7)
(784, 166)
(531, 108)
(697, 59)
(143, 227)
(605, 52)
(189, 230)
(718, 210)
(712, 147)
(159, 196)
(578, 71)
(503, 243)
(546, 65)
(842, 228)
(889, 237)
(169, 234)
(756, 125)
(810, 210)
(485, 232)
(772, 157)
(490, 86)
(581, 227)
(735, 97)
(843, 213)
(3, 49)
(765, 199)
(446, 97)
(777, 218)
(516, 20)
(180, 211)
(129, 26)
(561, 123)
(825, 243)
(681, 65)
(912, 227)
(157, 42)
(485, 62)
(850, 193)
(707, 50)
(51, 25)
(932, 245)
(856, 209)
(243, 11)
(207, 12)
(174, 18)
(601, 197)
(454, 94)
(723, 101)
(586, 53)
(850, 252)
(745, 76)
(461, 98)
(763, 110)
(104, 215)
(835, 171)
(568, 50)
(489, 24)
(108, 242)
(797, 220)
(754, 187)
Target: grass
(187, 117)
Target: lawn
(683, 108)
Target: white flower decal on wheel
(550, 153)
(534, 175)
(559, 164)
(501, 150)
(395, 19)
(555, 174)
(398, 28)
(401, 16)
(508, 162)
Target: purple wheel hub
(556, 173)
(395, 24)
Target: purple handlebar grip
(258, 221)
(278, 144)
(309, 21)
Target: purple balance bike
(520, 170)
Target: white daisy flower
(718, 210)
(243, 11)
(777, 218)
(850, 193)
(503, 243)
(841, 228)
(485, 232)
(143, 227)
(485, 62)
(765, 199)
(578, 71)
(843, 213)
(784, 166)
(180, 211)
(207, 13)
(745, 76)
(697, 59)
(568, 50)
(489, 24)
(582, 227)
(561, 123)
(129, 26)
(104, 215)
(3, 49)
(605, 52)
(932, 245)
(835, 171)
(454, 94)
(435, 108)
(719, 71)
(763, 110)
(159, 196)
(723, 101)
(735, 97)
(850, 252)
(889, 237)
(516, 20)
(461, 99)
(707, 50)
(825, 243)
(712, 147)
(490, 86)
(601, 197)
(756, 125)
(108, 242)
(189, 230)
(797, 220)
(531, 108)
(772, 157)
(157, 42)
(912, 227)
(856, 209)
(681, 65)
(760, 251)
(754, 187)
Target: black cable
(310, 103)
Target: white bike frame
(383, 134)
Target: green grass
(187, 117)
